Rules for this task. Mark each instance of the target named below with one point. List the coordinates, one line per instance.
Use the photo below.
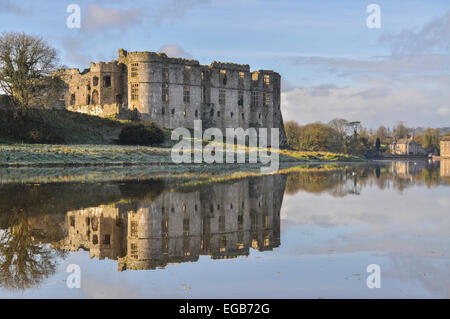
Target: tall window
(266, 99)
(165, 73)
(255, 98)
(187, 74)
(203, 94)
(134, 70)
(165, 92)
(223, 77)
(107, 81)
(187, 94)
(255, 76)
(134, 91)
(266, 80)
(241, 78)
(241, 98)
(222, 97)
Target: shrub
(140, 134)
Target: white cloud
(411, 84)
(175, 51)
(433, 36)
(374, 106)
(99, 18)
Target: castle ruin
(173, 92)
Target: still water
(310, 233)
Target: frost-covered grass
(107, 155)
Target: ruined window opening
(187, 74)
(203, 94)
(165, 92)
(72, 99)
(203, 75)
(119, 98)
(94, 223)
(134, 70)
(107, 81)
(94, 98)
(221, 223)
(107, 239)
(259, 115)
(255, 98)
(255, 77)
(95, 81)
(88, 87)
(134, 229)
(173, 112)
(165, 73)
(72, 221)
(241, 78)
(266, 99)
(88, 99)
(222, 97)
(231, 114)
(241, 98)
(186, 225)
(243, 116)
(211, 113)
(196, 113)
(218, 113)
(95, 239)
(134, 91)
(223, 76)
(223, 244)
(186, 94)
(266, 80)
(134, 251)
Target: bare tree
(26, 65)
(401, 131)
(339, 125)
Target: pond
(307, 233)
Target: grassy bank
(57, 126)
(19, 155)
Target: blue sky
(332, 65)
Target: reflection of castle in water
(222, 221)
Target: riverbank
(50, 155)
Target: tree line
(342, 136)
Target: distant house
(406, 146)
(445, 147)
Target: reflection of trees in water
(25, 256)
(342, 181)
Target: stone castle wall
(174, 92)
